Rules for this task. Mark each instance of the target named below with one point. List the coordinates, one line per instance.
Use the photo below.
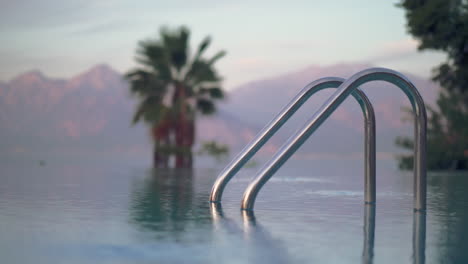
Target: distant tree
(214, 149)
(443, 25)
(173, 84)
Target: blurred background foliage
(443, 25)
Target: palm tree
(172, 87)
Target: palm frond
(146, 110)
(212, 92)
(205, 106)
(176, 43)
(202, 72)
(144, 83)
(202, 47)
(216, 57)
(153, 54)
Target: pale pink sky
(262, 38)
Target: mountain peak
(99, 77)
(102, 68)
(34, 76)
(343, 70)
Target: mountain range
(92, 112)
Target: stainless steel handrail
(270, 129)
(296, 140)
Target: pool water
(310, 212)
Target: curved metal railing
(270, 129)
(350, 85)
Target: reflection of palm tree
(164, 201)
(172, 87)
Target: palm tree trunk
(179, 159)
(184, 148)
(189, 140)
(183, 131)
(184, 139)
(159, 161)
(161, 144)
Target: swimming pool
(311, 211)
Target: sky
(262, 38)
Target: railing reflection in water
(265, 248)
(259, 245)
